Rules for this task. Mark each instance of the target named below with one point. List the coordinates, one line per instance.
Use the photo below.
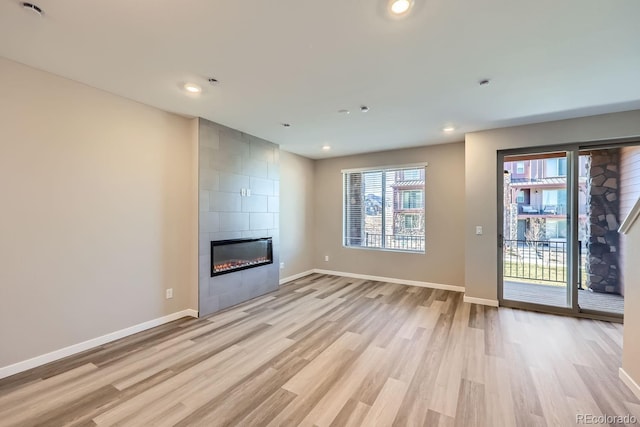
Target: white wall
(443, 262)
(98, 218)
(297, 214)
(481, 255)
(629, 193)
(631, 346)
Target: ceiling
(299, 62)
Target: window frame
(383, 170)
(412, 215)
(412, 190)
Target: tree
(535, 232)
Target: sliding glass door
(559, 213)
(535, 230)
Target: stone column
(603, 269)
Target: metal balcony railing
(539, 260)
(395, 241)
(542, 209)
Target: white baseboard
(629, 382)
(481, 301)
(189, 312)
(393, 280)
(34, 362)
(296, 276)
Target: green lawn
(543, 275)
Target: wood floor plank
(333, 402)
(474, 358)
(352, 413)
(72, 412)
(384, 409)
(8, 400)
(268, 409)
(555, 405)
(192, 379)
(526, 404)
(633, 409)
(434, 419)
(331, 351)
(233, 406)
(42, 403)
(367, 387)
(123, 396)
(471, 404)
(444, 399)
(499, 406)
(298, 409)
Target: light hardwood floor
(331, 351)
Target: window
(520, 197)
(554, 201)
(410, 174)
(555, 167)
(384, 209)
(412, 199)
(520, 167)
(556, 229)
(411, 221)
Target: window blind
(384, 208)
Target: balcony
(536, 272)
(547, 210)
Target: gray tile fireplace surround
(232, 163)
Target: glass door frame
(573, 154)
(571, 307)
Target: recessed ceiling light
(32, 8)
(448, 129)
(192, 88)
(364, 108)
(326, 147)
(400, 7)
(286, 125)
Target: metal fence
(395, 241)
(541, 260)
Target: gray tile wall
(229, 162)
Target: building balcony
(524, 209)
(527, 210)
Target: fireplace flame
(238, 263)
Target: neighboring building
(385, 209)
(408, 202)
(539, 189)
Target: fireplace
(228, 256)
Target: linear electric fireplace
(228, 256)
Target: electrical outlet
(326, 258)
(169, 293)
(479, 230)
(281, 265)
(243, 192)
